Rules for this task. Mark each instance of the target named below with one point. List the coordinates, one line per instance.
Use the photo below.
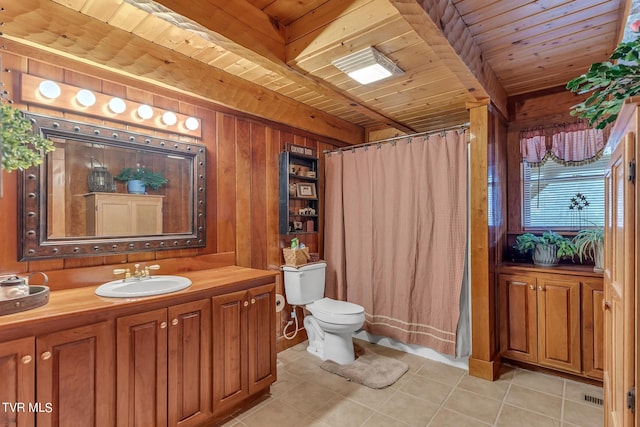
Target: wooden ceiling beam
(441, 26)
(236, 26)
(243, 33)
(243, 36)
(53, 28)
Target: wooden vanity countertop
(81, 305)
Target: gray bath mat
(369, 369)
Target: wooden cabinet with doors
(119, 214)
(542, 320)
(620, 271)
(163, 366)
(93, 361)
(243, 345)
(63, 378)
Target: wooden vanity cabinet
(83, 360)
(163, 359)
(17, 376)
(243, 345)
(63, 378)
(552, 320)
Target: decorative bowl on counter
(38, 296)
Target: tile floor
(429, 394)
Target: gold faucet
(138, 273)
(144, 272)
(125, 271)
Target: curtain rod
(384, 141)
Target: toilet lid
(331, 306)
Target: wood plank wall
(242, 179)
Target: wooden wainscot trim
(71, 278)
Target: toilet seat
(334, 311)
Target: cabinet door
(517, 316)
(142, 369)
(189, 381)
(75, 373)
(592, 328)
(229, 332)
(146, 215)
(262, 338)
(17, 375)
(620, 282)
(559, 323)
(113, 217)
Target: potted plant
(21, 147)
(547, 248)
(590, 245)
(139, 178)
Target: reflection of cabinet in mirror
(119, 214)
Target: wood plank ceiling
(272, 58)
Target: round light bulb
(169, 118)
(145, 112)
(86, 98)
(191, 123)
(49, 89)
(117, 105)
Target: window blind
(550, 189)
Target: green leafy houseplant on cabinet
(21, 147)
(547, 248)
(590, 245)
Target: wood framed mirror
(61, 216)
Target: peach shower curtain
(396, 235)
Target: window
(550, 189)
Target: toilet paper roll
(280, 303)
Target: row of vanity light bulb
(86, 98)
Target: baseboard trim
(485, 369)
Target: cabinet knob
(540, 288)
(532, 287)
(46, 355)
(253, 300)
(163, 325)
(606, 305)
(174, 322)
(26, 359)
(246, 303)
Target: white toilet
(331, 323)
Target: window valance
(570, 144)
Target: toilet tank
(304, 284)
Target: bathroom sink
(155, 285)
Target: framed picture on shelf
(306, 190)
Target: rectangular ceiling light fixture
(367, 66)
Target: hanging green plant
(21, 147)
(610, 83)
